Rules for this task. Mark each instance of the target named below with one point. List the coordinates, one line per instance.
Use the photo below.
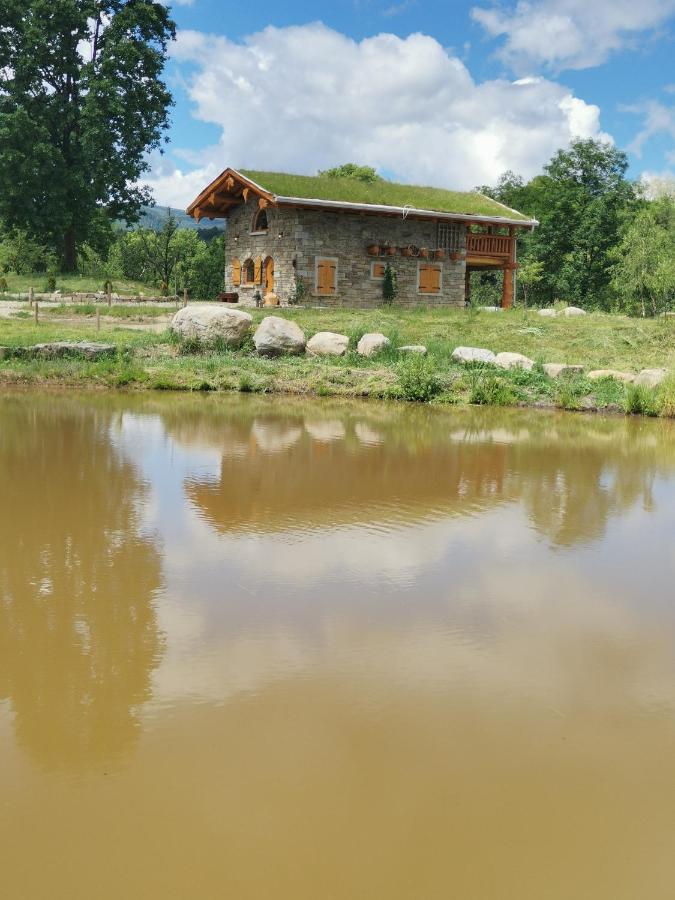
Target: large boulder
(275, 336)
(651, 378)
(209, 324)
(574, 311)
(547, 312)
(370, 344)
(625, 377)
(562, 370)
(327, 343)
(514, 361)
(473, 355)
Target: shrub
(189, 346)
(491, 391)
(245, 384)
(389, 285)
(640, 401)
(3, 285)
(418, 379)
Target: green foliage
(88, 119)
(24, 255)
(644, 271)
(488, 390)
(351, 170)
(3, 285)
(640, 400)
(531, 272)
(418, 379)
(389, 285)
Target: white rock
(275, 335)
(574, 311)
(651, 377)
(208, 323)
(561, 370)
(473, 355)
(370, 344)
(514, 361)
(547, 312)
(327, 343)
(625, 377)
(491, 308)
(413, 348)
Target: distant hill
(155, 216)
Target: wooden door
(269, 275)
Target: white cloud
(658, 119)
(571, 34)
(307, 97)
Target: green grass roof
(383, 193)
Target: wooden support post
(467, 288)
(109, 297)
(185, 296)
(507, 290)
(31, 296)
(37, 313)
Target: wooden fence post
(98, 319)
(31, 296)
(37, 313)
(185, 296)
(109, 297)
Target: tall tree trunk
(69, 250)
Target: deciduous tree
(82, 101)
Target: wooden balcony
(489, 249)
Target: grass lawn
(156, 360)
(67, 284)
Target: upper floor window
(449, 236)
(260, 222)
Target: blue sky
(443, 93)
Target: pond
(272, 648)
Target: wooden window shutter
(236, 272)
(326, 271)
(257, 277)
(434, 279)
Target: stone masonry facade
(297, 239)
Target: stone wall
(296, 238)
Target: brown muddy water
(257, 649)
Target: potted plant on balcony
(406, 251)
(390, 249)
(424, 252)
(373, 249)
(439, 253)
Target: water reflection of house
(302, 472)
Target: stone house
(328, 241)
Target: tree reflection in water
(78, 632)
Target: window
(236, 272)
(428, 278)
(325, 275)
(260, 222)
(377, 270)
(248, 272)
(449, 236)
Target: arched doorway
(268, 282)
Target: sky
(450, 94)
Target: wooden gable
(228, 190)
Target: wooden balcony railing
(489, 245)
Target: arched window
(260, 222)
(248, 272)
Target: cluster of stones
(276, 336)
(646, 378)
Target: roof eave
(404, 211)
